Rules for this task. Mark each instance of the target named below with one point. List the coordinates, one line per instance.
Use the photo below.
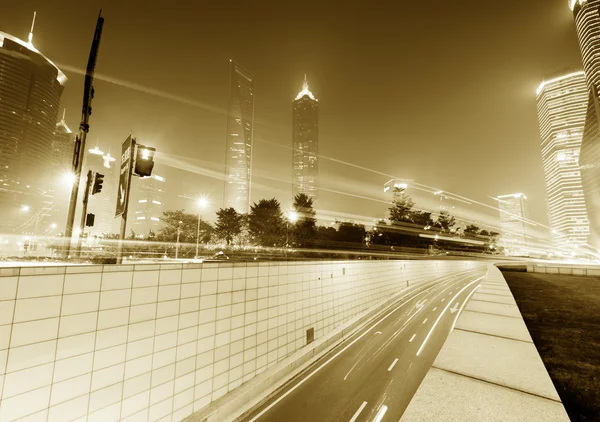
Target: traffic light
(97, 185)
(89, 220)
(144, 160)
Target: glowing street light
(53, 225)
(202, 204)
(68, 179)
(293, 216)
(25, 208)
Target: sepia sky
(439, 92)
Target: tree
(401, 209)
(229, 224)
(304, 230)
(188, 227)
(265, 223)
(472, 230)
(445, 222)
(351, 233)
(421, 218)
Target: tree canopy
(265, 223)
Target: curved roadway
(373, 375)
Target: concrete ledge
(489, 368)
(246, 397)
(565, 269)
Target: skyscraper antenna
(31, 32)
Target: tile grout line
(496, 384)
(497, 303)
(56, 346)
(126, 343)
(176, 350)
(12, 324)
(153, 344)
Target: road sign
(124, 178)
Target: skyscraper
(562, 105)
(240, 121)
(30, 90)
(513, 212)
(305, 140)
(587, 23)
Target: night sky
(439, 92)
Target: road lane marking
(380, 414)
(378, 332)
(461, 308)
(393, 364)
(442, 313)
(443, 299)
(434, 309)
(354, 366)
(454, 309)
(288, 392)
(360, 409)
(412, 338)
(425, 320)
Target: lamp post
(177, 244)
(292, 217)
(202, 203)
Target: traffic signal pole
(86, 197)
(126, 209)
(80, 139)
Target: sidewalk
(488, 369)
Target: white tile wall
(155, 342)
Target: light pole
(177, 244)
(202, 203)
(292, 217)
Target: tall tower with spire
(587, 22)
(305, 139)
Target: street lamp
(177, 244)
(292, 217)
(25, 208)
(202, 204)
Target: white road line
(380, 414)
(461, 308)
(442, 313)
(443, 299)
(412, 338)
(425, 320)
(393, 364)
(360, 409)
(288, 392)
(434, 309)
(354, 366)
(378, 332)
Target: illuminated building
(147, 204)
(562, 104)
(305, 140)
(513, 212)
(102, 205)
(30, 90)
(62, 149)
(587, 22)
(240, 120)
(392, 184)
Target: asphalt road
(373, 375)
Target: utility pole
(86, 197)
(84, 127)
(177, 244)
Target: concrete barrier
(565, 269)
(160, 342)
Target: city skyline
(342, 185)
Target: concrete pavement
(375, 373)
(488, 369)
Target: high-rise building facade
(62, 157)
(587, 22)
(147, 204)
(240, 121)
(513, 213)
(562, 104)
(102, 205)
(30, 90)
(305, 142)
